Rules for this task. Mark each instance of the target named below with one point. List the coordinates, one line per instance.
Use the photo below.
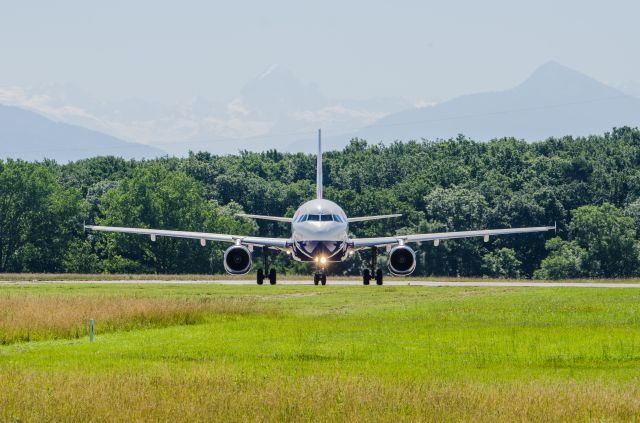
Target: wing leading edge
(263, 217)
(366, 218)
(437, 236)
(202, 236)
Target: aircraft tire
(379, 277)
(272, 276)
(366, 277)
(316, 279)
(323, 279)
(260, 277)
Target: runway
(337, 282)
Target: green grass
(330, 353)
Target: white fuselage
(319, 232)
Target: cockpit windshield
(320, 218)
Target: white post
(91, 330)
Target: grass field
(307, 353)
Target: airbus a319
(320, 234)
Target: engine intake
(402, 260)
(237, 260)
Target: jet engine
(237, 260)
(402, 260)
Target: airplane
(320, 234)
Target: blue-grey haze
(222, 76)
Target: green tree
(601, 244)
(80, 257)
(454, 209)
(38, 218)
(632, 210)
(154, 197)
(458, 208)
(608, 236)
(564, 261)
(501, 263)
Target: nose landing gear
(319, 278)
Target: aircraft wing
(202, 236)
(365, 218)
(260, 216)
(437, 236)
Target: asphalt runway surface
(338, 282)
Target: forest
(588, 186)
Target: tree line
(588, 186)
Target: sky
(171, 51)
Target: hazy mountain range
(27, 135)
(269, 110)
(553, 101)
(278, 110)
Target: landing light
(323, 260)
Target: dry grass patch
(25, 318)
(205, 394)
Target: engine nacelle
(237, 260)
(402, 260)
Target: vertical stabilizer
(319, 167)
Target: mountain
(271, 110)
(278, 92)
(27, 135)
(553, 101)
(631, 88)
(278, 110)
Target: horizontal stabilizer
(259, 216)
(365, 218)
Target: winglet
(319, 167)
(555, 227)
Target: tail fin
(319, 167)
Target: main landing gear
(265, 271)
(367, 274)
